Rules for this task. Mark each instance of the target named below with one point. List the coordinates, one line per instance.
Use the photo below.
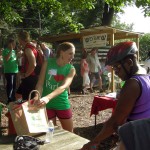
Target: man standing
(28, 75)
(95, 69)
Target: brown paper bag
(28, 122)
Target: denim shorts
(95, 75)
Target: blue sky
(134, 15)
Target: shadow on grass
(90, 132)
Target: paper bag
(28, 122)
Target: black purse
(27, 143)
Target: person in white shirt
(46, 51)
(95, 69)
(85, 73)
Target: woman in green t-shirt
(10, 64)
(55, 77)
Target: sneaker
(82, 92)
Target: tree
(145, 5)
(13, 12)
(144, 46)
(59, 16)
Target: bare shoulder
(132, 83)
(131, 90)
(27, 50)
(73, 71)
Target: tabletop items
(50, 131)
(24, 142)
(25, 121)
(111, 95)
(62, 139)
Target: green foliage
(59, 16)
(8, 10)
(145, 5)
(144, 46)
(91, 17)
(44, 16)
(48, 7)
(116, 4)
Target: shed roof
(112, 35)
(118, 34)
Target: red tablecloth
(102, 103)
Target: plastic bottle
(50, 131)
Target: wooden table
(101, 103)
(62, 140)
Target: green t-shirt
(10, 66)
(53, 79)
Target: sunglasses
(116, 67)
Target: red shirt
(25, 62)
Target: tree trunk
(107, 15)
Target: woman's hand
(37, 104)
(44, 100)
(90, 146)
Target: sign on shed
(96, 40)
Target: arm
(82, 64)
(124, 106)
(66, 83)
(7, 57)
(1, 62)
(39, 85)
(89, 62)
(40, 52)
(19, 54)
(32, 61)
(88, 59)
(98, 62)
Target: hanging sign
(96, 40)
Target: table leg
(95, 122)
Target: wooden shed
(109, 35)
